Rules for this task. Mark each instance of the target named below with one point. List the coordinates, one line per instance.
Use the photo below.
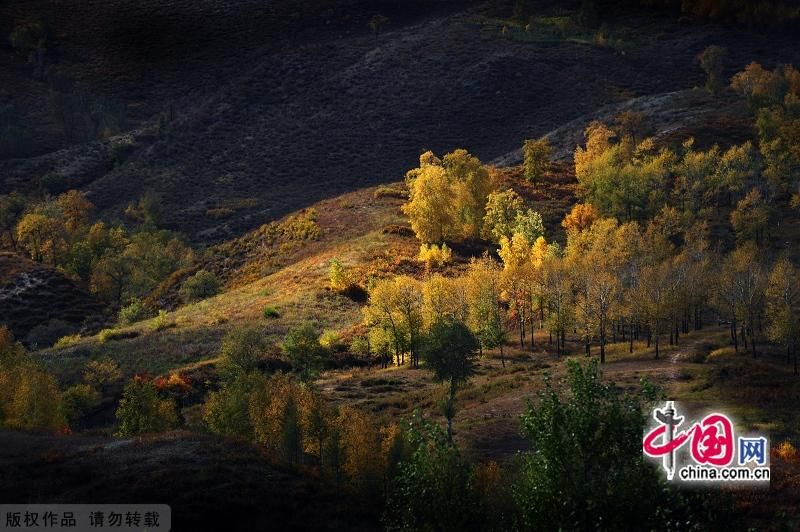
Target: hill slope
(272, 126)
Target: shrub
(199, 286)
(79, 400)
(108, 335)
(271, 313)
(302, 347)
(68, 341)
(227, 411)
(787, 452)
(390, 192)
(100, 374)
(141, 410)
(340, 277)
(332, 341)
(133, 312)
(241, 351)
(435, 256)
(162, 321)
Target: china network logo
(707, 450)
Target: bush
(133, 312)
(302, 347)
(271, 313)
(390, 192)
(241, 351)
(162, 321)
(435, 256)
(79, 400)
(199, 286)
(68, 341)
(340, 277)
(100, 374)
(108, 335)
(332, 341)
(141, 410)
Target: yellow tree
(444, 298)
(483, 295)
(76, 209)
(557, 291)
(471, 184)
(409, 304)
(430, 206)
(381, 314)
(596, 257)
(743, 284)
(536, 158)
(43, 237)
(516, 279)
(783, 307)
(580, 218)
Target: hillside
(307, 116)
(32, 295)
(418, 265)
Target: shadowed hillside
(32, 294)
(257, 127)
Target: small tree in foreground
(449, 351)
(433, 489)
(587, 462)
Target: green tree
(449, 351)
(502, 209)
(241, 350)
(433, 489)
(227, 410)
(536, 159)
(142, 411)
(303, 349)
(587, 462)
(529, 224)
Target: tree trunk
(502, 356)
(656, 347)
